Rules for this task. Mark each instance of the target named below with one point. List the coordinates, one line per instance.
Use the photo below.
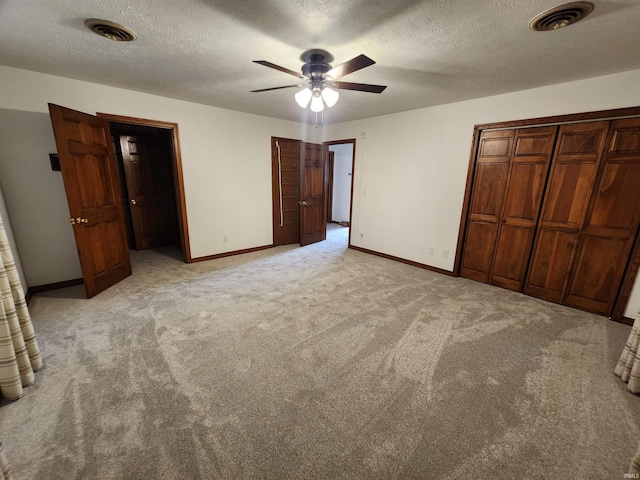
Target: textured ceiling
(427, 52)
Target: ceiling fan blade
(278, 67)
(360, 87)
(353, 65)
(275, 88)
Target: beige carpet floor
(318, 363)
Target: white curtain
(628, 369)
(19, 352)
(5, 471)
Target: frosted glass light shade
(303, 97)
(330, 96)
(317, 105)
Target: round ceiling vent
(561, 16)
(111, 30)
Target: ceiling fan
(320, 79)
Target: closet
(554, 210)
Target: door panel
(552, 257)
(91, 184)
(149, 183)
(577, 156)
(512, 255)
(528, 170)
(616, 202)
(476, 258)
(489, 182)
(612, 223)
(596, 278)
(313, 224)
(568, 193)
(285, 175)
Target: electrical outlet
(431, 251)
(225, 239)
(445, 253)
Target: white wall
(410, 170)
(36, 199)
(342, 164)
(225, 157)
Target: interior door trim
(634, 261)
(352, 141)
(176, 167)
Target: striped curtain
(635, 464)
(628, 367)
(19, 352)
(5, 471)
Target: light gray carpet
(318, 362)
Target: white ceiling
(428, 52)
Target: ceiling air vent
(111, 30)
(561, 16)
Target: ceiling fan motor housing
(315, 69)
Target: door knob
(133, 201)
(302, 203)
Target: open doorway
(341, 154)
(143, 158)
(150, 173)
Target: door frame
(633, 264)
(326, 146)
(176, 167)
(330, 161)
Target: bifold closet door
(528, 171)
(511, 171)
(492, 168)
(611, 225)
(577, 156)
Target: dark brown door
(151, 195)
(612, 223)
(285, 180)
(93, 195)
(492, 167)
(313, 204)
(528, 171)
(576, 160)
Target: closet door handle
(504, 220)
(576, 230)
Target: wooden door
(611, 225)
(93, 195)
(313, 204)
(528, 169)
(285, 182)
(492, 167)
(575, 164)
(149, 182)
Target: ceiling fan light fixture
(303, 97)
(317, 105)
(330, 96)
